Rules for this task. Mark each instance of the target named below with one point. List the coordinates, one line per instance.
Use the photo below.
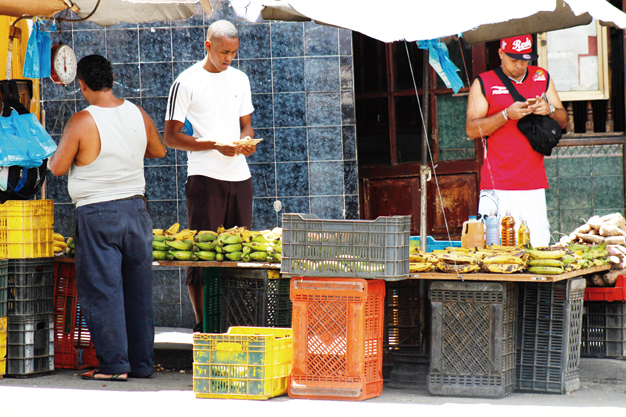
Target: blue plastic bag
(439, 59)
(38, 59)
(24, 141)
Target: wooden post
(589, 128)
(570, 118)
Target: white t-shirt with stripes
(212, 103)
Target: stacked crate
(26, 240)
(338, 315)
(3, 315)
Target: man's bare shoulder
(80, 123)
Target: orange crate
(26, 229)
(337, 338)
(615, 293)
(73, 347)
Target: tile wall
(302, 89)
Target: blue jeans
(114, 283)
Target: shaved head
(222, 29)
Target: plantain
(205, 246)
(422, 257)
(59, 244)
(457, 249)
(459, 258)
(183, 255)
(503, 268)
(501, 247)
(245, 257)
(158, 232)
(246, 250)
(162, 255)
(259, 247)
(70, 242)
(458, 268)
(220, 229)
(58, 237)
(258, 256)
(503, 259)
(160, 246)
(545, 270)
(260, 239)
(219, 249)
(233, 256)
(219, 257)
(420, 267)
(414, 249)
(161, 238)
(274, 257)
(546, 262)
(207, 232)
(236, 247)
(172, 230)
(184, 234)
(278, 247)
(183, 245)
(228, 239)
(205, 237)
(206, 255)
(546, 254)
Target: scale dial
(63, 68)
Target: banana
(245, 257)
(234, 256)
(274, 257)
(501, 247)
(503, 259)
(595, 254)
(158, 232)
(246, 250)
(260, 239)
(459, 258)
(236, 247)
(503, 268)
(259, 247)
(258, 256)
(568, 259)
(162, 255)
(278, 247)
(219, 257)
(181, 245)
(546, 262)
(161, 238)
(414, 249)
(246, 235)
(545, 270)
(173, 229)
(420, 267)
(204, 237)
(70, 242)
(205, 246)
(184, 234)
(220, 229)
(206, 255)
(183, 255)
(160, 246)
(207, 232)
(598, 248)
(457, 249)
(453, 269)
(227, 239)
(60, 244)
(546, 254)
(218, 249)
(58, 237)
(422, 257)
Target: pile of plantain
(59, 245)
(559, 259)
(234, 244)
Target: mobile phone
(531, 101)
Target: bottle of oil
(523, 234)
(473, 235)
(508, 230)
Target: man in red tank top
(513, 177)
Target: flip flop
(91, 375)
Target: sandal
(91, 375)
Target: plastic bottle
(492, 234)
(508, 230)
(473, 235)
(523, 234)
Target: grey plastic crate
(3, 286)
(473, 334)
(312, 247)
(30, 344)
(604, 330)
(549, 334)
(30, 286)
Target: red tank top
(511, 162)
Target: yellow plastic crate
(26, 229)
(251, 363)
(3, 346)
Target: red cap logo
(519, 47)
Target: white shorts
(527, 204)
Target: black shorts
(213, 203)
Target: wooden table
(516, 277)
(223, 264)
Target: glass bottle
(523, 234)
(508, 230)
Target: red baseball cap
(519, 47)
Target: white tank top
(117, 172)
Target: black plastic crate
(473, 338)
(254, 297)
(212, 299)
(549, 334)
(30, 344)
(4, 264)
(604, 330)
(406, 327)
(30, 286)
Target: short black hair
(96, 71)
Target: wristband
(505, 113)
(552, 110)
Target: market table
(223, 264)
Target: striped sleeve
(177, 103)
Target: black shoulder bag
(23, 183)
(543, 132)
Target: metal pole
(424, 169)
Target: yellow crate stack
(26, 228)
(251, 363)
(3, 346)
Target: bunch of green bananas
(71, 247)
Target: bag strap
(11, 98)
(509, 85)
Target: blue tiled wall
(302, 90)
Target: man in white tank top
(103, 148)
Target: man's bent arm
(156, 146)
(68, 146)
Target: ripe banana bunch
(58, 244)
(457, 262)
(504, 262)
(547, 260)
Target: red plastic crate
(337, 338)
(73, 347)
(616, 293)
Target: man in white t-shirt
(213, 101)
